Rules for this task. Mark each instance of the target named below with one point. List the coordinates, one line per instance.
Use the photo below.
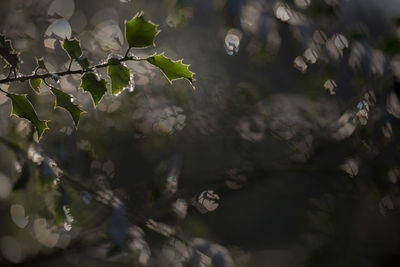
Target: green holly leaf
(64, 100)
(172, 69)
(35, 84)
(94, 85)
(140, 32)
(22, 108)
(73, 48)
(120, 77)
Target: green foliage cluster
(139, 33)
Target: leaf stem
(68, 72)
(70, 64)
(9, 73)
(127, 51)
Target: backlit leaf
(140, 32)
(94, 85)
(35, 84)
(22, 108)
(73, 48)
(172, 69)
(64, 100)
(120, 77)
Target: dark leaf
(73, 48)
(22, 108)
(94, 85)
(83, 62)
(120, 77)
(64, 100)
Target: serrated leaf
(73, 48)
(22, 108)
(95, 86)
(120, 77)
(35, 84)
(63, 100)
(140, 32)
(172, 69)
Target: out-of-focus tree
(286, 154)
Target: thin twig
(127, 51)
(68, 72)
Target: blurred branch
(10, 144)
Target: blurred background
(286, 152)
